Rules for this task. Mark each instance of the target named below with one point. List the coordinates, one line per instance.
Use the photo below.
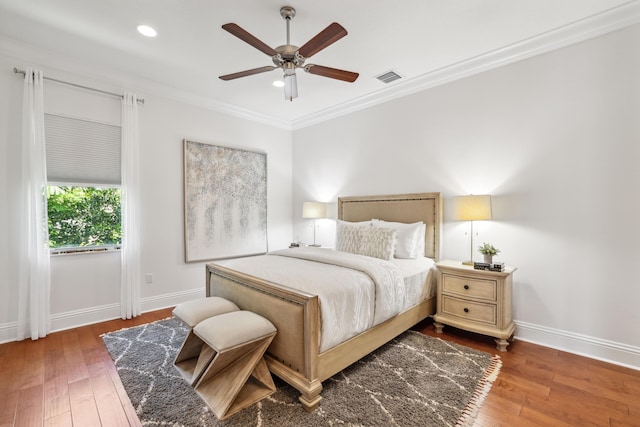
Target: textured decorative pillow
(409, 236)
(378, 242)
(370, 241)
(348, 237)
(358, 223)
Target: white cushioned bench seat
(233, 329)
(237, 375)
(193, 312)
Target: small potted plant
(488, 251)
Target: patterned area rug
(414, 380)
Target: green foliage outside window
(83, 216)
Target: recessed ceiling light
(278, 83)
(146, 30)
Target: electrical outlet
(148, 278)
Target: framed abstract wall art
(225, 202)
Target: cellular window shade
(82, 151)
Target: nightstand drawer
(473, 311)
(470, 288)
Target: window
(83, 173)
(83, 218)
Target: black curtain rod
(16, 71)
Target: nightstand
(475, 300)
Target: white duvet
(355, 292)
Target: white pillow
(421, 236)
(408, 239)
(370, 241)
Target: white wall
(556, 140)
(85, 288)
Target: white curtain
(34, 313)
(130, 254)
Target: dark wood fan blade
(247, 73)
(324, 38)
(248, 38)
(332, 73)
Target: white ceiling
(426, 41)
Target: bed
(295, 354)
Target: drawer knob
(466, 287)
(466, 310)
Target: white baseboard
(77, 318)
(8, 332)
(583, 345)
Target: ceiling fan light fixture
(278, 83)
(290, 86)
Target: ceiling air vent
(389, 77)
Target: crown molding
(53, 64)
(597, 25)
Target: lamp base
(467, 262)
(315, 246)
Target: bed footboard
(293, 353)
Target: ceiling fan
(289, 57)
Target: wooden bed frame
(294, 353)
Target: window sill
(83, 250)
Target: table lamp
(315, 211)
(472, 208)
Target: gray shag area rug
(414, 380)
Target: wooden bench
(237, 375)
(188, 361)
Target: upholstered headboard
(406, 208)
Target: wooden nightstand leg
(438, 327)
(501, 344)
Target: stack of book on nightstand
(491, 266)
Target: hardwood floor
(69, 379)
(540, 386)
(66, 379)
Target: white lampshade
(473, 208)
(314, 210)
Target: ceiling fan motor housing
(288, 54)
